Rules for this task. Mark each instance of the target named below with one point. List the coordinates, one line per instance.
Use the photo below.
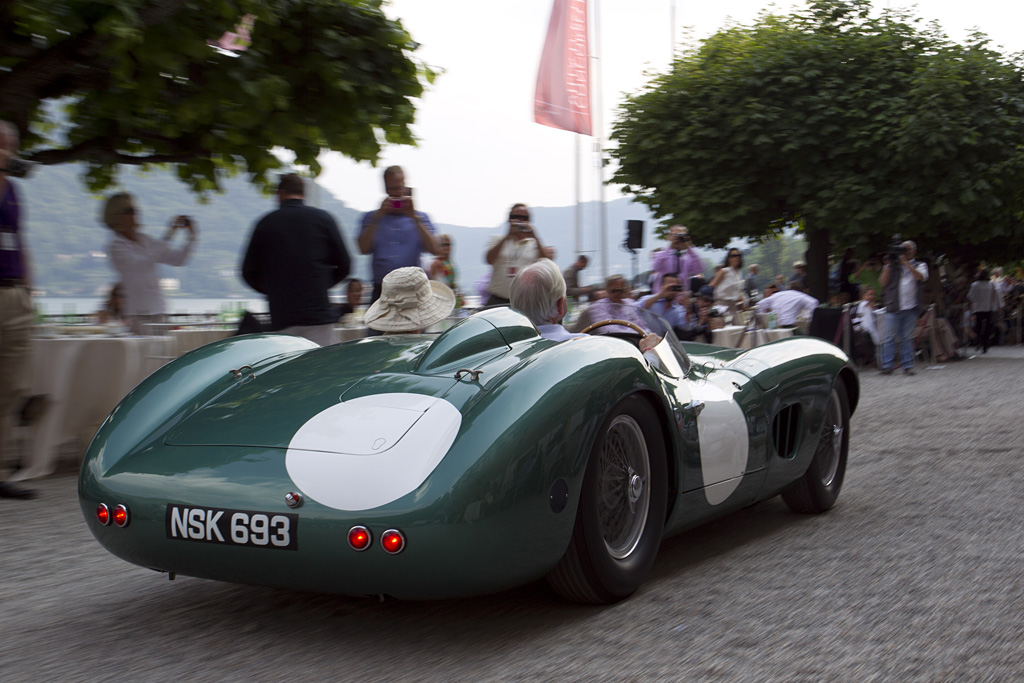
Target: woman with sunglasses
(509, 253)
(134, 256)
(728, 282)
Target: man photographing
(680, 258)
(901, 280)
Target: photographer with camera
(396, 234)
(510, 253)
(672, 303)
(134, 256)
(15, 306)
(902, 280)
(680, 258)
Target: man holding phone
(670, 302)
(680, 258)
(510, 253)
(396, 233)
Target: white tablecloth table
(187, 339)
(733, 336)
(83, 378)
(349, 333)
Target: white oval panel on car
(371, 450)
(724, 443)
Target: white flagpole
(578, 217)
(598, 117)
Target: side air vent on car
(785, 429)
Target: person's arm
(692, 265)
(26, 265)
(339, 257)
(176, 256)
(369, 228)
(251, 264)
(649, 301)
(717, 278)
(426, 231)
(492, 254)
(663, 261)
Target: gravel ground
(914, 575)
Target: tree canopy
(854, 126)
(137, 82)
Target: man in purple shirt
(15, 310)
(396, 233)
(680, 258)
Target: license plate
(274, 530)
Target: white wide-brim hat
(409, 302)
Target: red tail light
(121, 516)
(103, 514)
(359, 538)
(392, 541)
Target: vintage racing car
(434, 466)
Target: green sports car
(435, 466)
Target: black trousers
(983, 328)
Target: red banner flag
(562, 99)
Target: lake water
(62, 305)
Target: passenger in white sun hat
(409, 302)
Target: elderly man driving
(538, 292)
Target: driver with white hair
(538, 292)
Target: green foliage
(862, 126)
(140, 85)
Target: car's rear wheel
(817, 490)
(621, 512)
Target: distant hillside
(68, 241)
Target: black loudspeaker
(634, 234)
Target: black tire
(620, 517)
(817, 490)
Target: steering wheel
(601, 323)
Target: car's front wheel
(621, 513)
(817, 490)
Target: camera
(895, 251)
(399, 202)
(18, 167)
(676, 288)
(182, 222)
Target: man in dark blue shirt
(295, 255)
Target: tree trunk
(817, 263)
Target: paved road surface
(915, 575)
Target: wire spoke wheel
(621, 513)
(624, 498)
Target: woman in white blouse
(728, 282)
(134, 256)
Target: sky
(480, 150)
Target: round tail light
(103, 514)
(392, 541)
(121, 516)
(359, 538)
